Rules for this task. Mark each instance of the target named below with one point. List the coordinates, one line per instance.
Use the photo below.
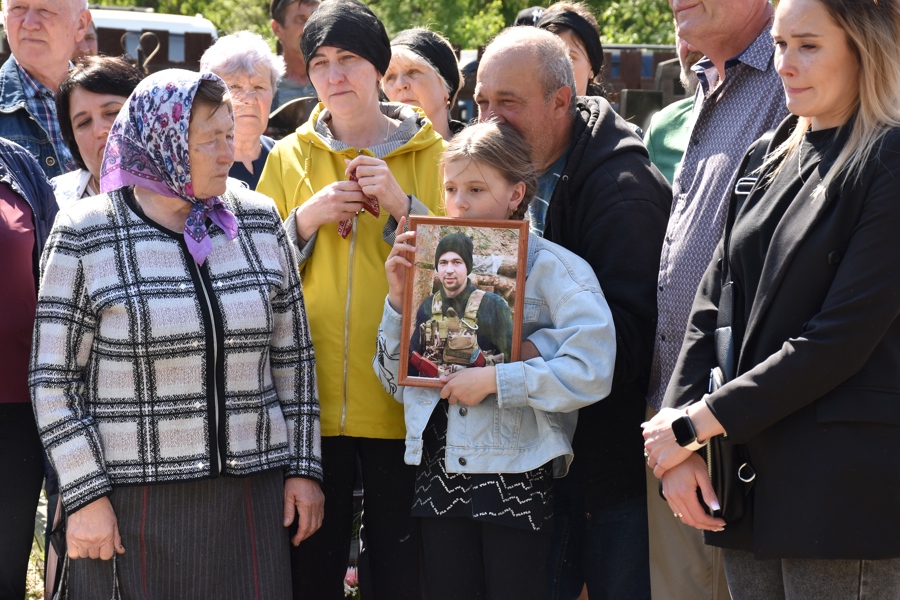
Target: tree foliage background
(469, 23)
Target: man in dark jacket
(598, 196)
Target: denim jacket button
(50, 161)
(462, 461)
(463, 411)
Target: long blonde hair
(872, 28)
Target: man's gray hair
(243, 53)
(551, 53)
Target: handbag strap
(62, 590)
(743, 187)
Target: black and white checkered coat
(149, 368)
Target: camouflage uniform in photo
(451, 341)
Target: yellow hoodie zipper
(347, 305)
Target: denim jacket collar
(12, 94)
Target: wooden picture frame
(499, 257)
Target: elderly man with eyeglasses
(42, 35)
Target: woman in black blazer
(812, 253)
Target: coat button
(50, 161)
(463, 411)
(834, 257)
(462, 461)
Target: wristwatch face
(684, 431)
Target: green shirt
(667, 136)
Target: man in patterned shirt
(42, 35)
(740, 97)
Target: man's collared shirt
(41, 102)
(727, 118)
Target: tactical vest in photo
(452, 341)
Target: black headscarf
(349, 25)
(582, 28)
(529, 16)
(434, 49)
(455, 242)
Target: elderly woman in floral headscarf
(172, 373)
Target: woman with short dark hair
(87, 104)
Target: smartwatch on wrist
(685, 434)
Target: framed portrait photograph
(462, 306)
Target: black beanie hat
(455, 242)
(434, 49)
(349, 25)
(582, 28)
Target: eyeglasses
(246, 93)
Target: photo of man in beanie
(459, 326)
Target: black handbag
(730, 471)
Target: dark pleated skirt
(218, 538)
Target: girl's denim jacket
(531, 419)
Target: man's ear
(562, 98)
(84, 21)
(276, 28)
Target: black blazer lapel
(801, 215)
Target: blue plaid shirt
(540, 204)
(41, 102)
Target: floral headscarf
(148, 147)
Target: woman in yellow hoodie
(341, 182)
